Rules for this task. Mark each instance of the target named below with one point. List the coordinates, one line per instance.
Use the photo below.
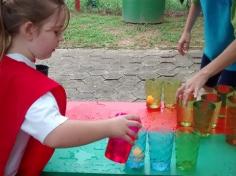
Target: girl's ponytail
(4, 37)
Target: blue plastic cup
(137, 154)
(160, 150)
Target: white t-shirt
(41, 118)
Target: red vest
(20, 87)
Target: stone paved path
(117, 75)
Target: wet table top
(216, 157)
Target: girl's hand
(120, 127)
(183, 43)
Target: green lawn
(95, 28)
(115, 6)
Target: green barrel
(143, 11)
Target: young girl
(32, 106)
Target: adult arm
(184, 41)
(194, 84)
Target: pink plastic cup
(118, 149)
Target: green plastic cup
(203, 113)
(186, 148)
(216, 100)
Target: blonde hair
(15, 12)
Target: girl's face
(48, 35)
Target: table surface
(216, 157)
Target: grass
(115, 6)
(94, 28)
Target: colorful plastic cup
(224, 91)
(216, 100)
(186, 148)
(153, 91)
(160, 150)
(137, 154)
(230, 123)
(169, 90)
(203, 112)
(185, 112)
(118, 149)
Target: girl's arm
(75, 132)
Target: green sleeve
(195, 1)
(233, 14)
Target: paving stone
(117, 75)
(113, 75)
(195, 53)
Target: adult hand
(192, 86)
(183, 43)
